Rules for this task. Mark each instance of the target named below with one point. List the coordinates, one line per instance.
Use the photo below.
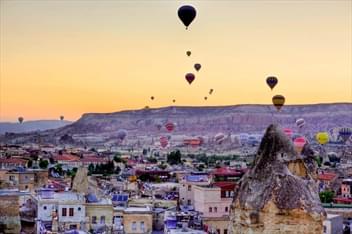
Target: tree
(91, 169)
(174, 157)
(51, 160)
(43, 164)
(326, 196)
(118, 159)
(29, 163)
(152, 160)
(58, 169)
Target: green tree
(174, 157)
(91, 169)
(326, 196)
(152, 160)
(58, 169)
(118, 159)
(43, 164)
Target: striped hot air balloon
(300, 123)
(219, 138)
(170, 126)
(345, 133)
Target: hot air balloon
(158, 126)
(173, 100)
(62, 117)
(205, 98)
(197, 66)
(300, 123)
(121, 134)
(20, 119)
(288, 132)
(271, 81)
(219, 138)
(345, 133)
(186, 14)
(211, 91)
(322, 138)
(169, 126)
(278, 101)
(146, 107)
(299, 143)
(152, 97)
(190, 77)
(164, 141)
(188, 53)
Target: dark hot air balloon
(190, 77)
(62, 117)
(186, 14)
(121, 134)
(278, 101)
(205, 98)
(173, 100)
(197, 66)
(211, 91)
(20, 119)
(188, 53)
(152, 97)
(271, 81)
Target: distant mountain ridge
(29, 126)
(192, 121)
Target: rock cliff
(278, 194)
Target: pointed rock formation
(80, 182)
(278, 194)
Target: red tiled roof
(225, 184)
(343, 199)
(327, 176)
(13, 160)
(226, 171)
(66, 157)
(93, 159)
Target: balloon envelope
(62, 117)
(152, 97)
(271, 81)
(190, 77)
(20, 119)
(164, 141)
(211, 91)
(121, 134)
(278, 101)
(345, 133)
(205, 98)
(288, 132)
(300, 123)
(219, 138)
(299, 143)
(197, 66)
(170, 126)
(186, 14)
(322, 138)
(188, 53)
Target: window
(44, 207)
(189, 187)
(26, 187)
(79, 209)
(64, 212)
(227, 193)
(215, 209)
(12, 178)
(134, 226)
(94, 219)
(218, 231)
(102, 220)
(225, 231)
(189, 202)
(71, 211)
(210, 209)
(142, 227)
(226, 209)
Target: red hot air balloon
(190, 77)
(197, 66)
(299, 143)
(288, 132)
(187, 14)
(170, 126)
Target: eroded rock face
(80, 182)
(279, 194)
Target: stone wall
(10, 222)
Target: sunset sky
(72, 57)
